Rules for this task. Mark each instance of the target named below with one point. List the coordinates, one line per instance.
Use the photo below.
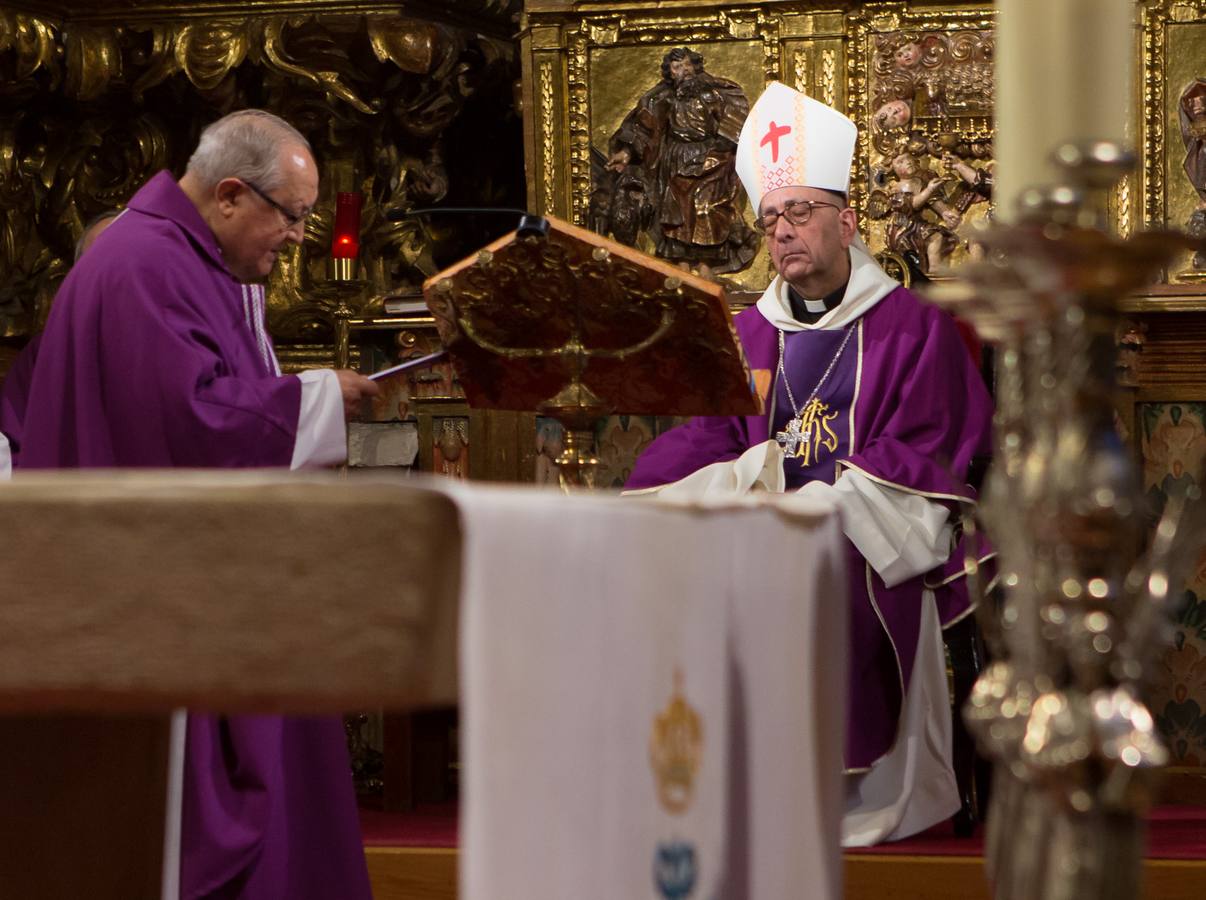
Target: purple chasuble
(150, 358)
(147, 358)
(921, 412)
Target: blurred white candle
(1063, 74)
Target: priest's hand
(355, 387)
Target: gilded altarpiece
(917, 78)
(1169, 385)
(410, 105)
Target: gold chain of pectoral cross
(808, 429)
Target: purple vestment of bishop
(910, 411)
(150, 358)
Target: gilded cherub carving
(920, 223)
(924, 209)
(931, 102)
(937, 75)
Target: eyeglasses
(797, 212)
(292, 220)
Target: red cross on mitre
(772, 137)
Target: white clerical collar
(813, 306)
(867, 286)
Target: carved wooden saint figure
(670, 170)
(1192, 114)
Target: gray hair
(244, 145)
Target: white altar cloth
(583, 617)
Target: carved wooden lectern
(558, 319)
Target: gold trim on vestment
(858, 383)
(908, 490)
(972, 606)
(960, 574)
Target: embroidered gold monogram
(808, 431)
(815, 433)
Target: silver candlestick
(1079, 608)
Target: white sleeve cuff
(322, 436)
(900, 534)
(6, 459)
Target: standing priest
(155, 354)
(872, 402)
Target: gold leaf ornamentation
(1154, 23)
(800, 66)
(32, 40)
(326, 73)
(548, 144)
(93, 61)
(1122, 201)
(829, 78)
(208, 51)
(411, 45)
(160, 62)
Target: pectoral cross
(796, 437)
(792, 437)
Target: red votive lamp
(345, 236)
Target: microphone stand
(530, 225)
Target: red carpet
(1175, 832)
(427, 826)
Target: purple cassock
(920, 413)
(151, 358)
(14, 396)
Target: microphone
(530, 225)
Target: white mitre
(789, 140)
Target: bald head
(246, 145)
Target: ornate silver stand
(1079, 606)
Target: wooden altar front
(126, 597)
